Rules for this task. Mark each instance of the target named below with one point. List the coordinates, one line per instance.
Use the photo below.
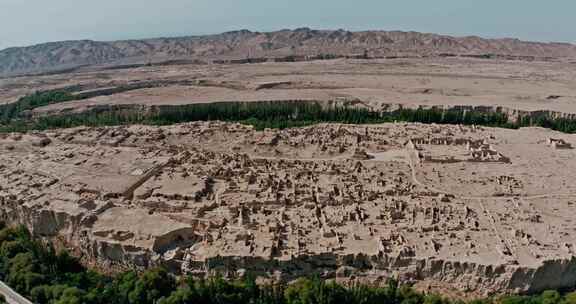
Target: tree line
(11, 111)
(264, 114)
(37, 271)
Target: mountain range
(63, 55)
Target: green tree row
(11, 111)
(260, 114)
(271, 114)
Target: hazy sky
(24, 22)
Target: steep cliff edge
(110, 253)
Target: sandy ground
(515, 84)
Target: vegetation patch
(11, 111)
(263, 114)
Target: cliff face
(462, 276)
(342, 201)
(247, 44)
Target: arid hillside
(246, 44)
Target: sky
(26, 22)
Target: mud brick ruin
(488, 210)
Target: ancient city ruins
(471, 208)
